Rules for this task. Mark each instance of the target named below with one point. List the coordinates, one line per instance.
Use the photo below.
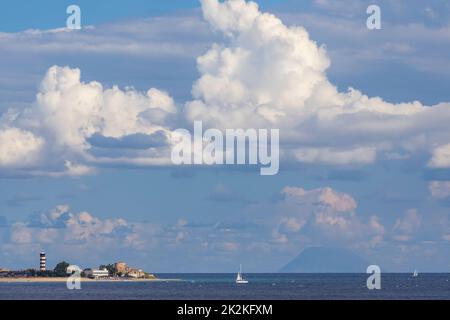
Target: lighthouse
(42, 261)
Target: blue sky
(21, 15)
(373, 181)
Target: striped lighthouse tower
(42, 261)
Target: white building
(96, 274)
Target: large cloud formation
(264, 74)
(267, 74)
(74, 125)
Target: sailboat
(415, 274)
(239, 279)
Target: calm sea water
(261, 286)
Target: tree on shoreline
(61, 269)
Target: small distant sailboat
(415, 274)
(240, 279)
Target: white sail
(239, 278)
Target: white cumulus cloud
(19, 147)
(440, 189)
(270, 75)
(54, 135)
(323, 216)
(264, 74)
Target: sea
(260, 287)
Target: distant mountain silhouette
(326, 260)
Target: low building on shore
(135, 273)
(96, 274)
(4, 272)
